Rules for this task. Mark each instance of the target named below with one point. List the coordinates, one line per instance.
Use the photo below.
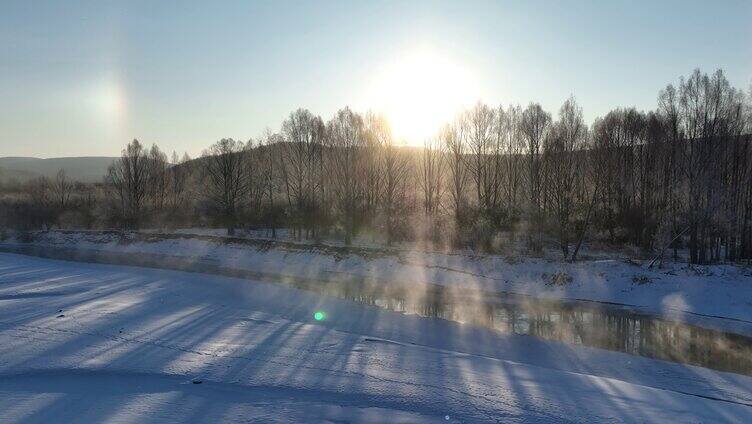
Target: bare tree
(128, 179)
(62, 189)
(453, 140)
(511, 147)
(561, 147)
(376, 135)
(158, 180)
(396, 170)
(707, 107)
(257, 178)
(225, 181)
(432, 175)
(345, 141)
(41, 201)
(624, 169)
(178, 177)
(668, 110)
(534, 125)
(87, 204)
(483, 164)
(270, 164)
(301, 156)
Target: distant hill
(85, 169)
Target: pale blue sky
(83, 78)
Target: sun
(419, 92)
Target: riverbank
(718, 297)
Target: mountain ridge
(78, 168)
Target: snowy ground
(718, 297)
(88, 343)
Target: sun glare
(111, 100)
(107, 102)
(419, 92)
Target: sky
(84, 78)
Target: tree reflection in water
(602, 327)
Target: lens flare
(319, 315)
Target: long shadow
(179, 336)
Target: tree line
(674, 178)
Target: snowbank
(715, 296)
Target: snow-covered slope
(90, 343)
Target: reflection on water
(602, 327)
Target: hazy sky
(84, 78)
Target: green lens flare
(319, 315)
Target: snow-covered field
(91, 343)
(718, 297)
